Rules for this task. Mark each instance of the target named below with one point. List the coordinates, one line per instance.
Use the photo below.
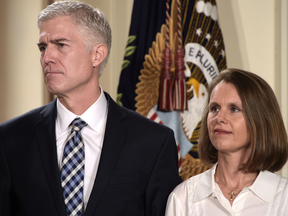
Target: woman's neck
(230, 178)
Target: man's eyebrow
(41, 44)
(59, 40)
(54, 41)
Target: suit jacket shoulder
(30, 118)
(129, 117)
(29, 173)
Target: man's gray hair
(94, 26)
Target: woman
(243, 135)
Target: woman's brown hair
(268, 137)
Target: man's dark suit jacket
(138, 166)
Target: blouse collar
(264, 186)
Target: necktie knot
(77, 124)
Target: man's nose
(49, 55)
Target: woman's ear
(98, 54)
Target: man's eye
(61, 45)
(42, 48)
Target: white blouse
(201, 196)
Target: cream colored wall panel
(20, 71)
(249, 35)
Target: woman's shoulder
(270, 176)
(282, 182)
(183, 194)
(273, 182)
(190, 185)
(276, 192)
(187, 193)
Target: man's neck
(78, 105)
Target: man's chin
(52, 91)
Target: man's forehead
(57, 28)
(59, 21)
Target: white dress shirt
(201, 195)
(93, 134)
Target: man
(125, 164)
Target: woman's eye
(235, 109)
(214, 109)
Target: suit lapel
(113, 140)
(45, 133)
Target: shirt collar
(93, 116)
(206, 185)
(265, 186)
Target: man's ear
(98, 54)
